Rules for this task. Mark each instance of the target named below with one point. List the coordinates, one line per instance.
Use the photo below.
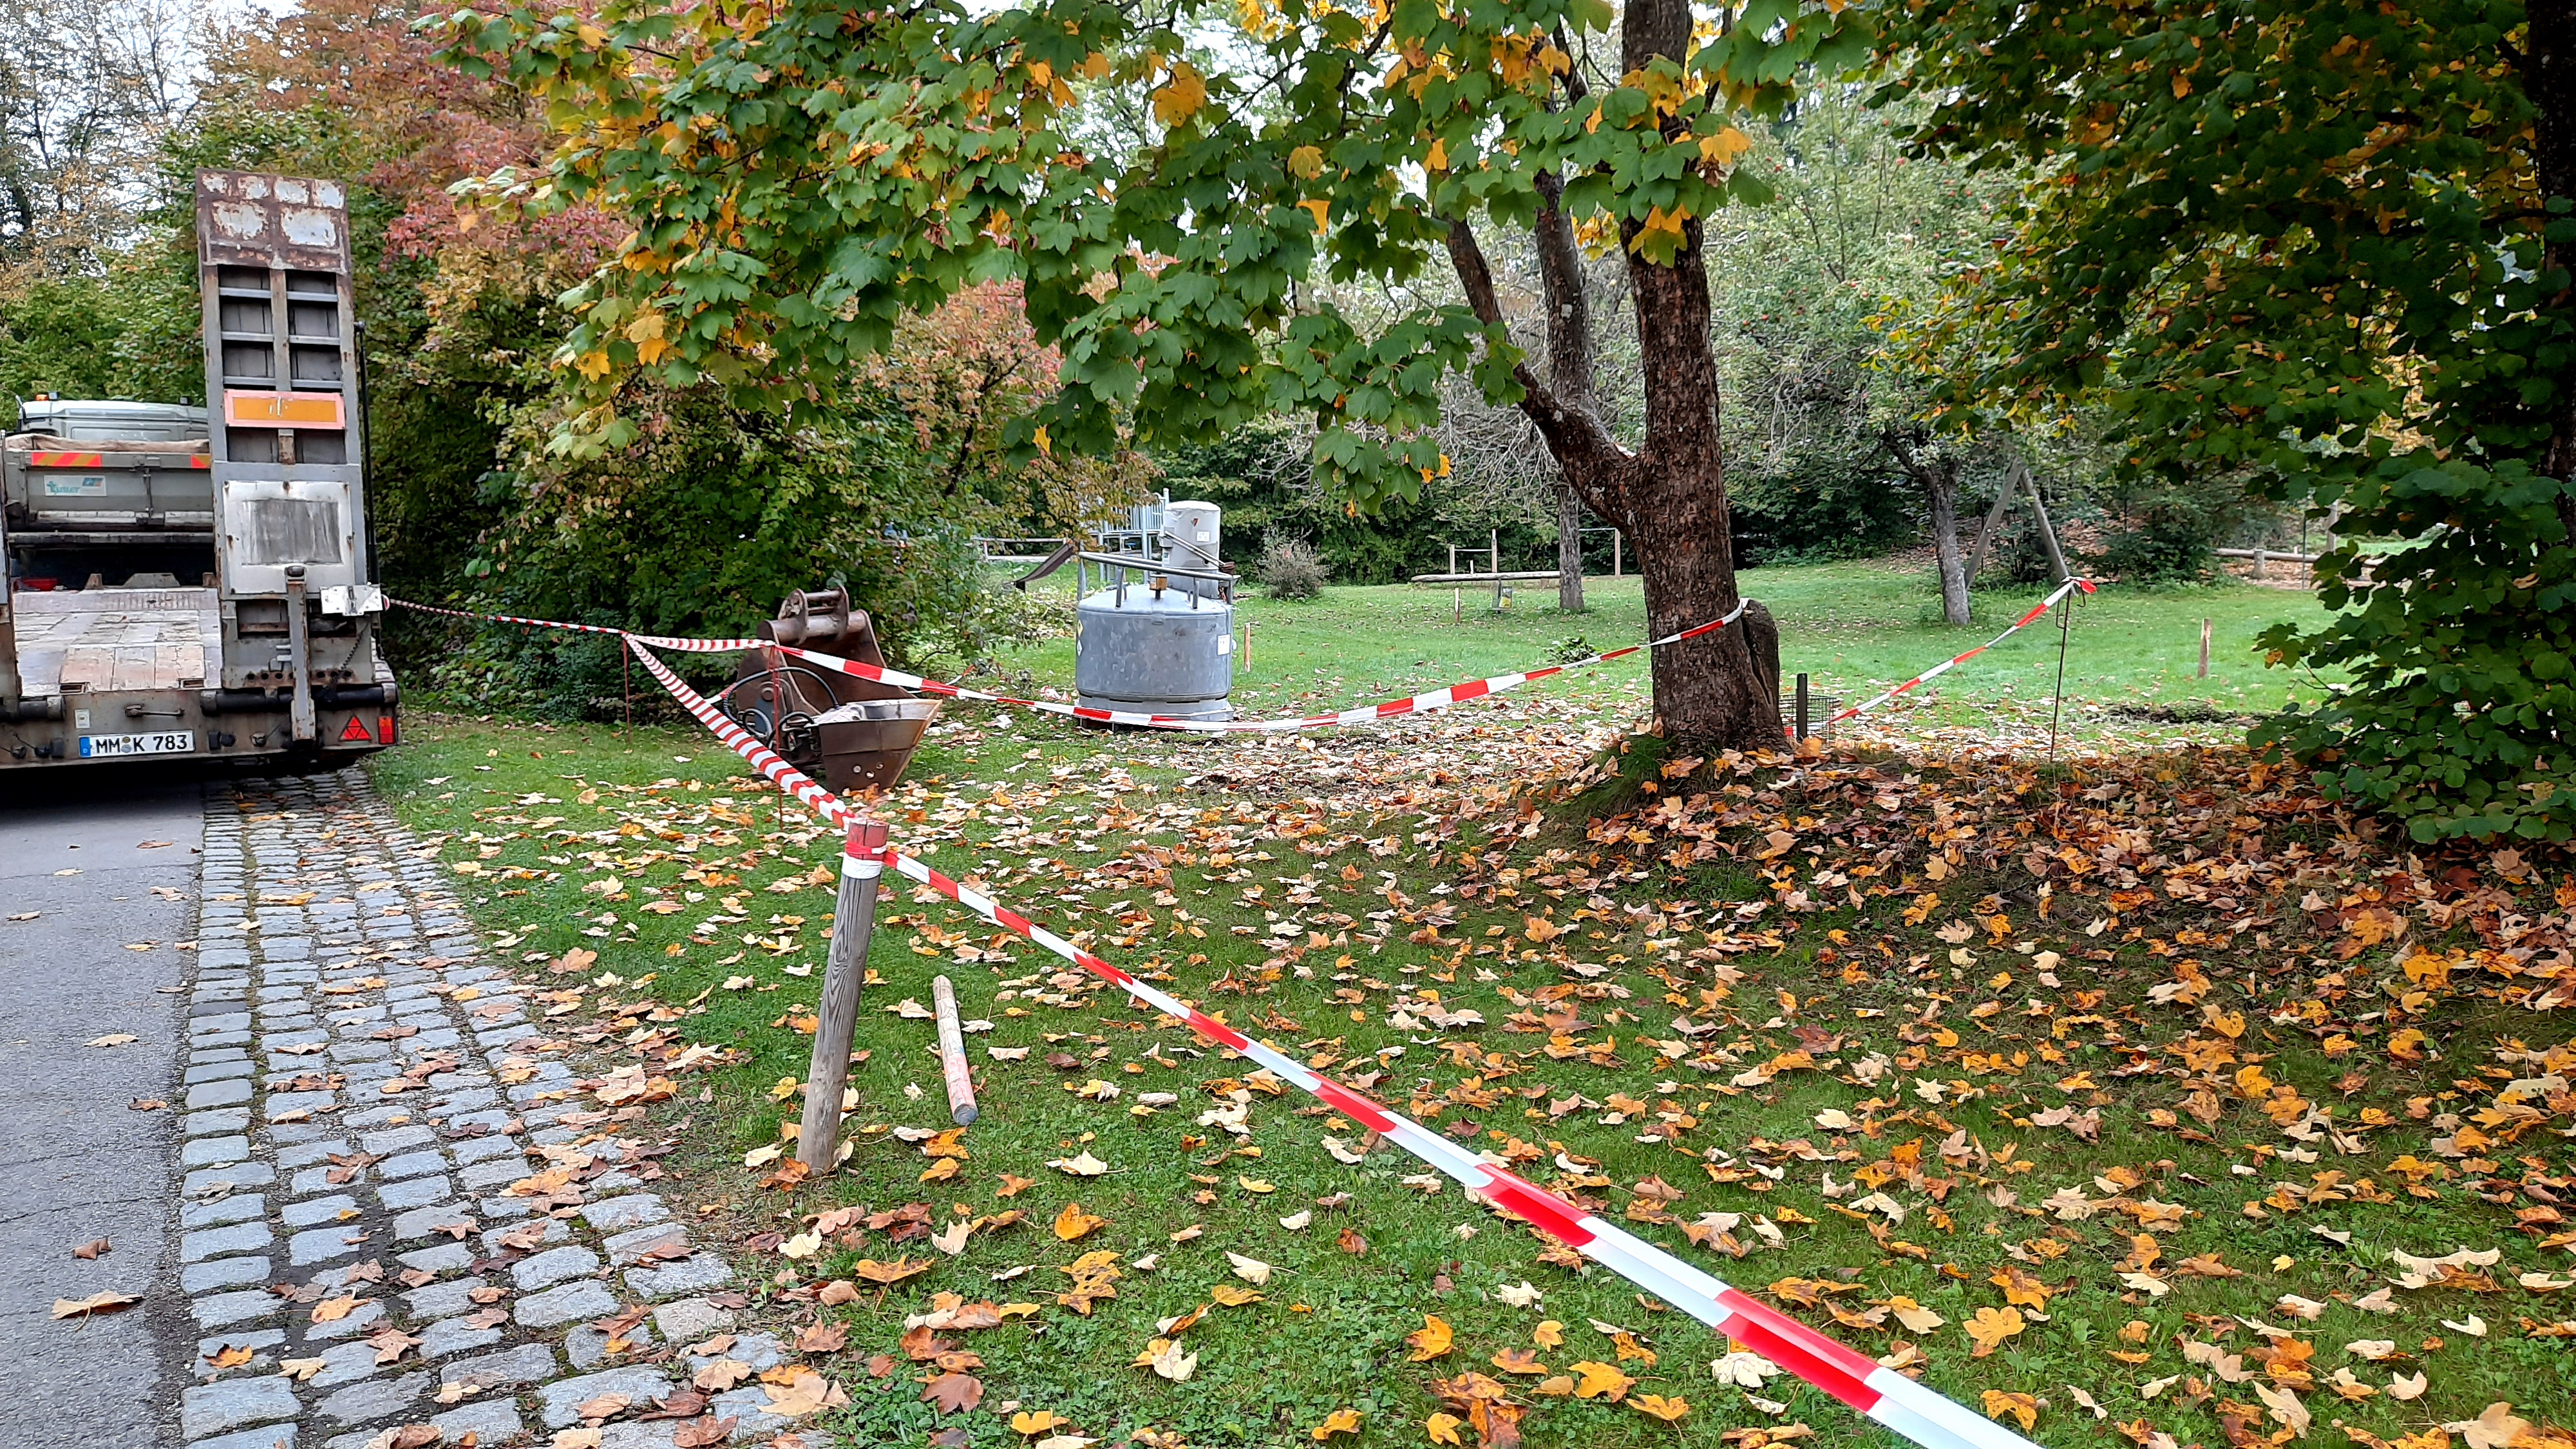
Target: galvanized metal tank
(1155, 651)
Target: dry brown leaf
(705, 1432)
(94, 1304)
(954, 1393)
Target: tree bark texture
(1669, 495)
(1569, 366)
(1709, 691)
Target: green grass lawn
(1885, 1117)
(1854, 628)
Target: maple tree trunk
(1569, 366)
(1710, 692)
(1938, 473)
(1569, 552)
(1721, 690)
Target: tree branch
(1594, 464)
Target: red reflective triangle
(355, 729)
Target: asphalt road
(77, 1163)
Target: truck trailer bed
(104, 639)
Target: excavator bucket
(855, 735)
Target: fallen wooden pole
(854, 920)
(952, 1053)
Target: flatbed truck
(196, 581)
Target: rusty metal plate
(251, 219)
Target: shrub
(1291, 569)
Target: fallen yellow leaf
(1991, 1327)
(2020, 1406)
(1432, 1340)
(1340, 1421)
(1656, 1405)
(1600, 1381)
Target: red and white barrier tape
(1365, 714)
(658, 641)
(1953, 662)
(1879, 1392)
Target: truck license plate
(170, 742)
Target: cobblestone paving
(364, 1094)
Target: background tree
(89, 89)
(1935, 469)
(2323, 247)
(1832, 454)
(707, 516)
(801, 177)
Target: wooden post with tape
(952, 1053)
(854, 920)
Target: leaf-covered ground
(2145, 1098)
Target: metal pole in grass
(2057, 705)
(854, 920)
(626, 667)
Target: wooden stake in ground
(854, 920)
(2057, 701)
(2204, 648)
(952, 1053)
